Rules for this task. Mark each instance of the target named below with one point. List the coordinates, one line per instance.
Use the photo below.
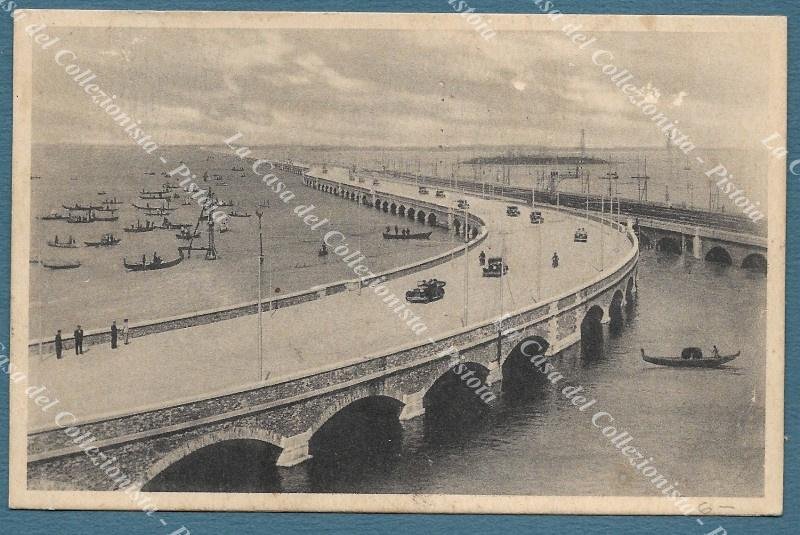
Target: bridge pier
(495, 373)
(295, 450)
(697, 245)
(413, 405)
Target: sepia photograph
(361, 262)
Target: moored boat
(70, 244)
(155, 263)
(417, 236)
(66, 264)
(108, 240)
(691, 357)
(234, 213)
(54, 216)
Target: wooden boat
(234, 213)
(417, 236)
(261, 204)
(158, 212)
(151, 266)
(150, 173)
(225, 203)
(168, 225)
(102, 193)
(140, 228)
(106, 209)
(106, 218)
(111, 201)
(146, 207)
(187, 235)
(67, 264)
(71, 244)
(80, 207)
(691, 357)
(108, 240)
(81, 219)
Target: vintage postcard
(458, 263)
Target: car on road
(512, 211)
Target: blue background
(68, 522)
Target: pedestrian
(78, 334)
(58, 344)
(126, 334)
(396, 230)
(555, 260)
(482, 258)
(114, 334)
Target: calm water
(674, 177)
(704, 428)
(101, 290)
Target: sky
(399, 88)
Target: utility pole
(466, 265)
(259, 214)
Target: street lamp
(260, 214)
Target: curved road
(177, 366)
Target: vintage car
(536, 217)
(463, 204)
(426, 291)
(495, 267)
(423, 190)
(440, 194)
(581, 236)
(512, 211)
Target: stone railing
(192, 319)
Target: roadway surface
(197, 362)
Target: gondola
(152, 266)
(72, 244)
(164, 208)
(691, 357)
(187, 235)
(61, 265)
(417, 236)
(80, 207)
(106, 241)
(102, 193)
(104, 218)
(234, 213)
(140, 228)
(81, 219)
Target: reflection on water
(704, 428)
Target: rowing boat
(681, 362)
(418, 236)
(151, 266)
(61, 265)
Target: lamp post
(260, 214)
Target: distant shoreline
(536, 160)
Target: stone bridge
(289, 413)
(714, 245)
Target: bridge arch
(432, 219)
(378, 204)
(411, 213)
(187, 449)
(421, 217)
(523, 368)
(461, 392)
(401, 211)
(361, 435)
(385, 206)
(669, 245)
(719, 255)
(755, 262)
(347, 401)
(393, 209)
(592, 331)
